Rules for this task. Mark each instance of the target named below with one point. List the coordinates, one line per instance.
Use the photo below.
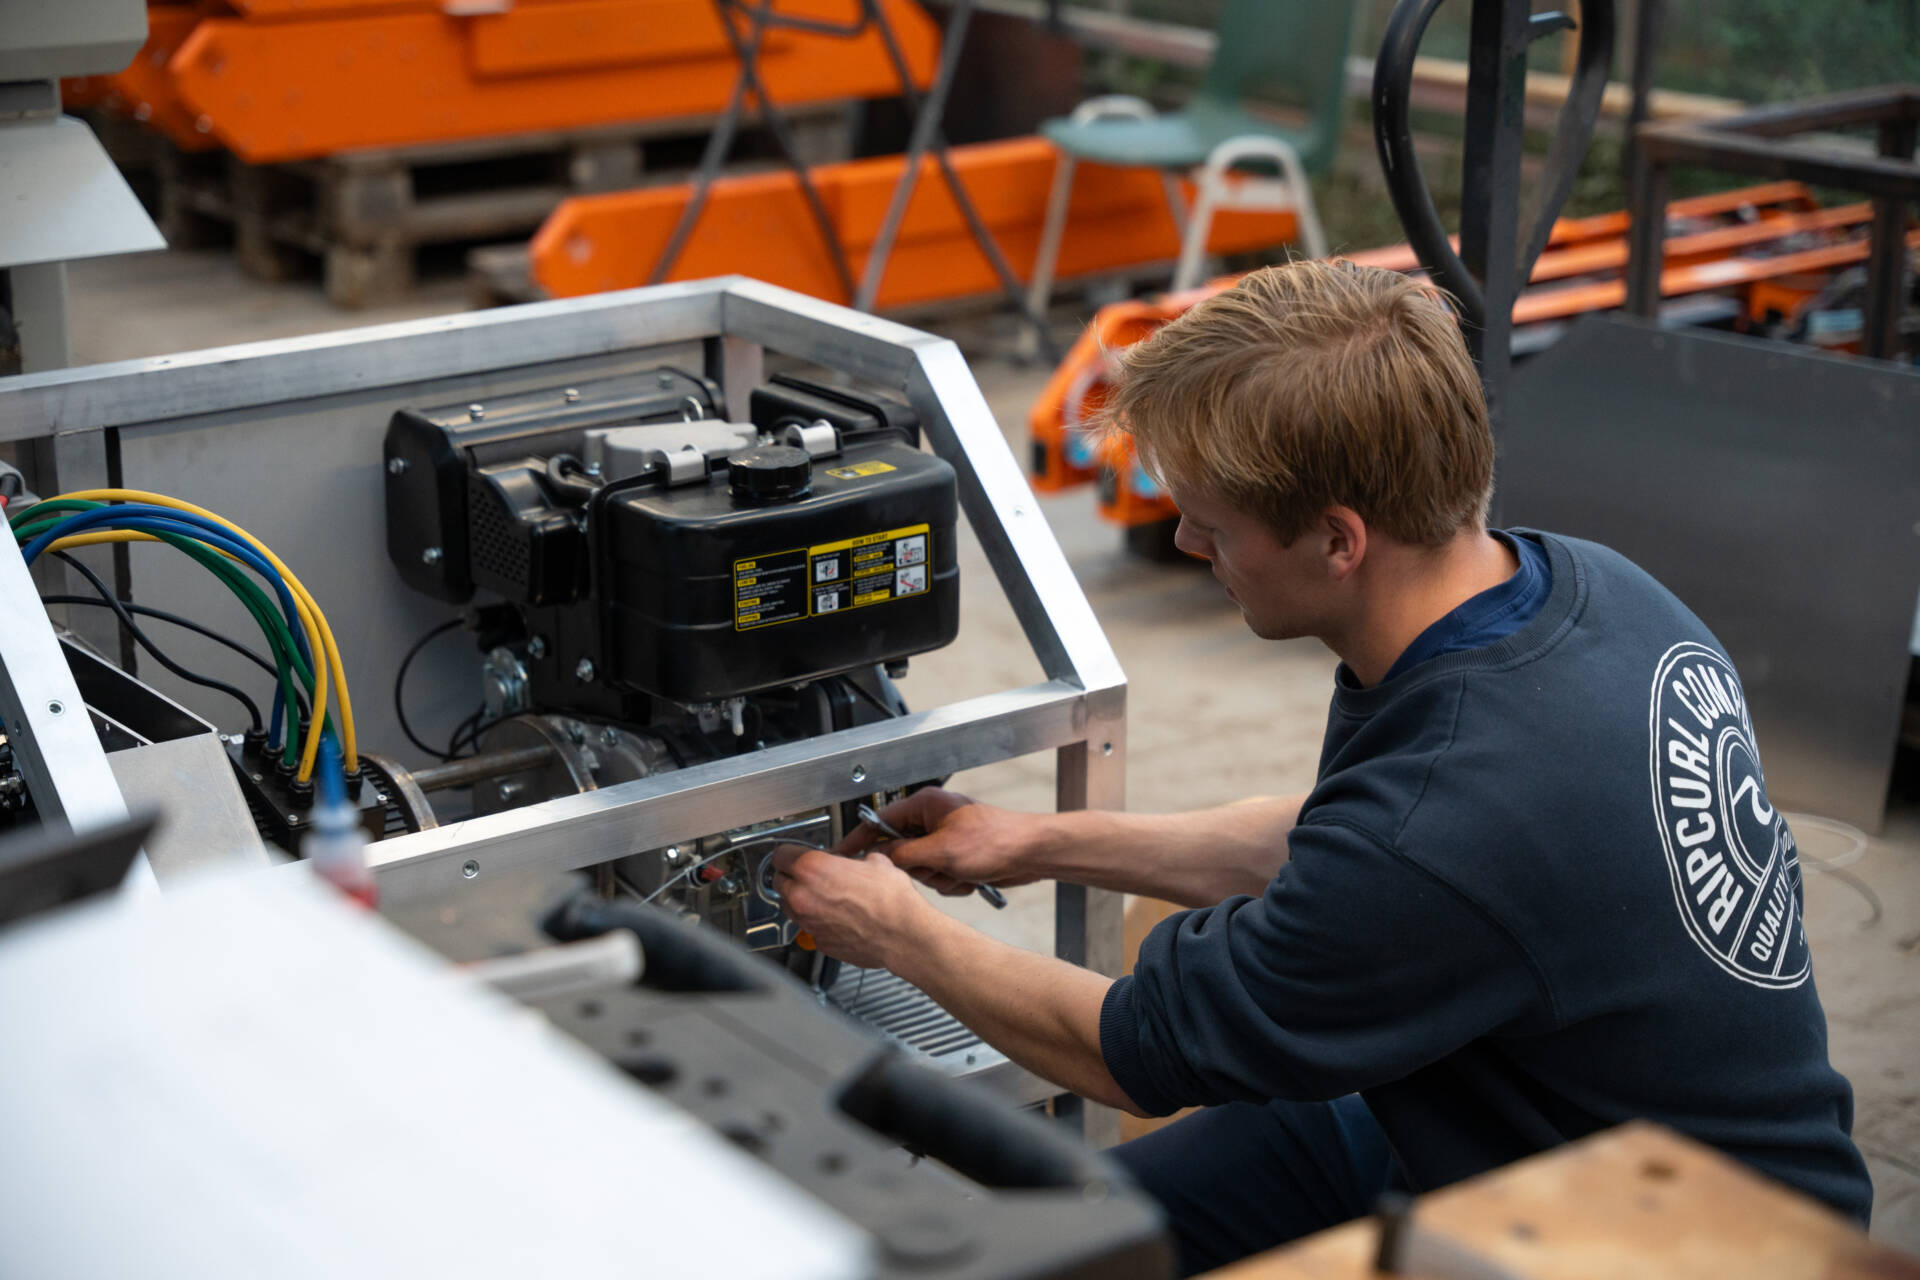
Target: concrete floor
(1215, 714)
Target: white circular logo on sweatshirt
(1733, 863)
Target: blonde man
(1537, 889)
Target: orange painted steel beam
(274, 88)
(1720, 242)
(757, 225)
(1771, 199)
(1702, 277)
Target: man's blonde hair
(1311, 385)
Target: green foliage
(1776, 50)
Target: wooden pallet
(365, 217)
(501, 275)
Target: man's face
(1279, 589)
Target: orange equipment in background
(280, 80)
(1768, 247)
(758, 225)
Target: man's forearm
(1193, 859)
(1042, 1013)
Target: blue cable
(147, 518)
(332, 772)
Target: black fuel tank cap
(770, 473)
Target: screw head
(671, 855)
(571, 395)
(469, 868)
(476, 411)
(577, 734)
(537, 647)
(396, 466)
(430, 556)
(1106, 748)
(859, 773)
(583, 670)
(56, 707)
(610, 737)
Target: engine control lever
(871, 816)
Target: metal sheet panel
(45, 718)
(204, 822)
(1776, 491)
(64, 198)
(41, 41)
(190, 1094)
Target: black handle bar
(1393, 136)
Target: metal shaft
(472, 769)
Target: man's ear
(1344, 535)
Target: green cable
(35, 521)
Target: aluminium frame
(1078, 711)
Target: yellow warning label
(861, 470)
(830, 577)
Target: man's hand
(860, 910)
(954, 843)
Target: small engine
(675, 587)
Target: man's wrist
(915, 945)
(1057, 849)
(1049, 844)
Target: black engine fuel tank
(778, 569)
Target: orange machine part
(275, 88)
(1077, 390)
(758, 225)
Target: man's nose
(1190, 542)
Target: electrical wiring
(39, 535)
(468, 729)
(284, 641)
(188, 521)
(692, 867)
(399, 682)
(174, 619)
(324, 640)
(145, 642)
(312, 635)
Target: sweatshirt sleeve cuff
(1120, 1048)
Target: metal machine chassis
(1078, 711)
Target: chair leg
(1193, 240)
(1312, 236)
(1176, 201)
(1040, 286)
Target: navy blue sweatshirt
(1537, 890)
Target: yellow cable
(318, 621)
(312, 741)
